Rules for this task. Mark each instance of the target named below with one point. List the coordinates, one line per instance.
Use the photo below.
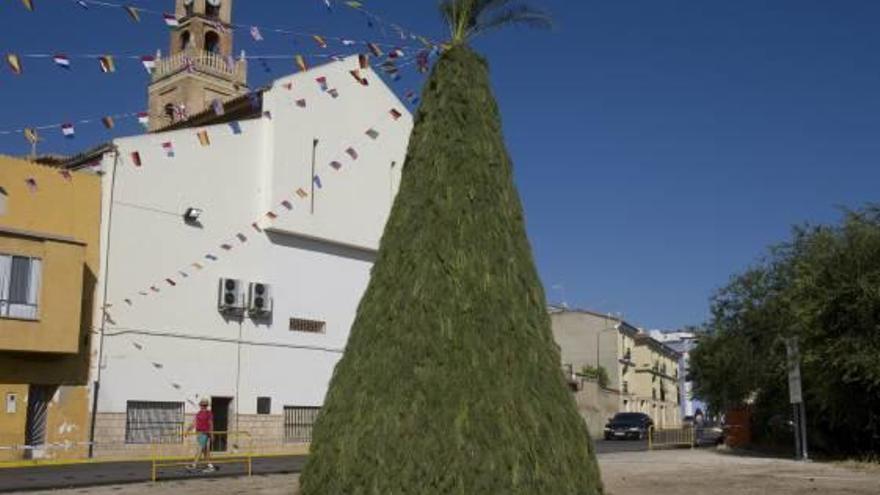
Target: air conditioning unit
(231, 296)
(259, 299)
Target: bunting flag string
(107, 62)
(68, 129)
(135, 15)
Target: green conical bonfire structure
(451, 382)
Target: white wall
(318, 264)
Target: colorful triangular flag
(136, 158)
(68, 131)
(301, 63)
(256, 34)
(322, 43)
(149, 63)
(31, 135)
(372, 133)
(168, 147)
(108, 122)
(375, 49)
(235, 126)
(14, 63)
(62, 61)
(204, 140)
(395, 114)
(352, 153)
(107, 64)
(133, 13)
(28, 4)
(170, 20)
(144, 119)
(217, 106)
(322, 83)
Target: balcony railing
(201, 61)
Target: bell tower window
(212, 42)
(212, 8)
(170, 112)
(185, 40)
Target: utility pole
(799, 412)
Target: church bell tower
(200, 67)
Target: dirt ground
(691, 472)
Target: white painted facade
(683, 343)
(175, 345)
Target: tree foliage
(823, 287)
(451, 381)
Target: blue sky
(659, 146)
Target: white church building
(237, 239)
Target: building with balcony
(49, 224)
(683, 342)
(655, 383)
(594, 345)
(596, 351)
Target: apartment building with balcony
(49, 224)
(655, 381)
(638, 373)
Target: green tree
(451, 381)
(823, 287)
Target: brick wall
(258, 433)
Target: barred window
(310, 326)
(154, 422)
(298, 422)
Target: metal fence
(298, 422)
(671, 437)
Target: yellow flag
(301, 63)
(204, 139)
(14, 63)
(320, 41)
(28, 4)
(31, 135)
(133, 13)
(107, 64)
(354, 5)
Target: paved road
(613, 446)
(106, 473)
(85, 475)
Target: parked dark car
(709, 434)
(628, 425)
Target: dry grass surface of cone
(451, 382)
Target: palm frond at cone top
(451, 382)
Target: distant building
(642, 373)
(683, 343)
(49, 224)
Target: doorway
(220, 409)
(37, 418)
